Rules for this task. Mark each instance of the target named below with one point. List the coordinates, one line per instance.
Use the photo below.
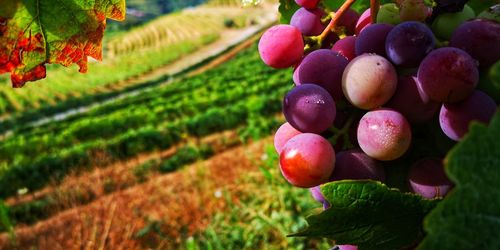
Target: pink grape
(309, 108)
(307, 160)
(318, 196)
(308, 21)
(346, 47)
(412, 102)
(356, 165)
(481, 39)
(372, 39)
(284, 133)
(369, 81)
(384, 134)
(364, 20)
(281, 46)
(324, 68)
(309, 4)
(349, 21)
(455, 118)
(428, 178)
(347, 247)
(448, 75)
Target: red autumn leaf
(36, 32)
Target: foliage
(34, 34)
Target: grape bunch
(365, 86)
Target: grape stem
(374, 7)
(335, 19)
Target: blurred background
(165, 144)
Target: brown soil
(172, 206)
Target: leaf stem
(374, 7)
(335, 19)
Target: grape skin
(455, 118)
(448, 75)
(349, 21)
(428, 178)
(412, 102)
(318, 196)
(309, 4)
(480, 39)
(284, 133)
(309, 108)
(308, 21)
(364, 20)
(408, 43)
(413, 10)
(384, 134)
(356, 165)
(307, 160)
(346, 47)
(281, 46)
(445, 24)
(369, 81)
(372, 39)
(389, 14)
(324, 68)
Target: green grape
(389, 13)
(446, 23)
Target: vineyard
(130, 54)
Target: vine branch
(335, 19)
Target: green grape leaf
(469, 217)
(370, 215)
(33, 33)
(286, 9)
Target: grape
(356, 165)
(346, 47)
(372, 39)
(308, 4)
(444, 24)
(413, 10)
(318, 196)
(412, 102)
(281, 46)
(455, 118)
(308, 21)
(284, 133)
(309, 108)
(408, 43)
(347, 247)
(324, 68)
(330, 40)
(481, 39)
(349, 20)
(307, 160)
(389, 14)
(364, 20)
(384, 134)
(448, 75)
(369, 81)
(428, 179)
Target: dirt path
(164, 209)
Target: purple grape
(308, 21)
(349, 20)
(309, 4)
(356, 165)
(330, 40)
(481, 39)
(324, 68)
(369, 81)
(363, 21)
(455, 118)
(384, 134)
(281, 46)
(428, 179)
(408, 43)
(309, 108)
(346, 47)
(372, 39)
(284, 133)
(307, 160)
(448, 75)
(318, 196)
(412, 102)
